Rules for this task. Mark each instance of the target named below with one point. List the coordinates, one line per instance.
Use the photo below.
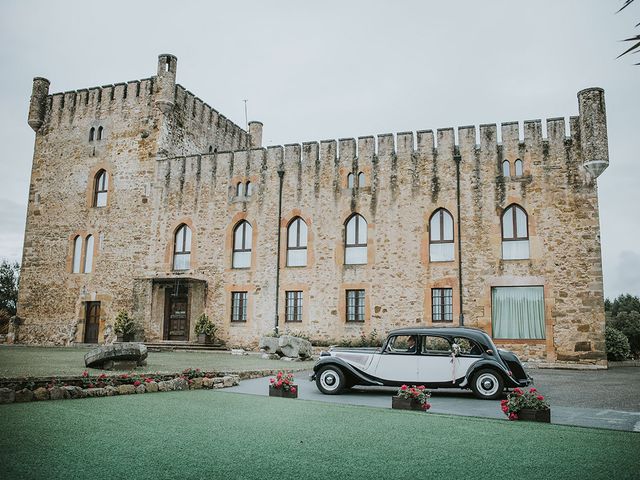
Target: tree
(623, 303)
(635, 48)
(9, 280)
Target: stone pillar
(166, 94)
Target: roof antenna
(246, 118)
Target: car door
(399, 361)
(435, 360)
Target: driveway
(601, 398)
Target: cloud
(626, 277)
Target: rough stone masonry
(120, 170)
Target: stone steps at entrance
(168, 345)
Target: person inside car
(411, 341)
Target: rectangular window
(238, 306)
(355, 305)
(441, 305)
(517, 312)
(294, 306)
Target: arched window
(239, 189)
(77, 254)
(515, 233)
(99, 137)
(355, 240)
(350, 180)
(518, 168)
(210, 148)
(506, 168)
(92, 133)
(441, 236)
(182, 248)
(88, 254)
(242, 238)
(361, 180)
(297, 243)
(100, 189)
(249, 189)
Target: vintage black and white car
(458, 357)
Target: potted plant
(411, 398)
(521, 405)
(205, 329)
(124, 327)
(282, 386)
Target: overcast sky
(333, 69)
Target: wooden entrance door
(91, 322)
(176, 317)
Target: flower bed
(411, 398)
(282, 386)
(521, 405)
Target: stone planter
(203, 338)
(530, 415)
(405, 403)
(279, 392)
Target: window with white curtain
(297, 243)
(515, 233)
(517, 312)
(182, 248)
(441, 236)
(242, 238)
(355, 246)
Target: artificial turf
(214, 434)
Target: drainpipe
(457, 158)
(281, 177)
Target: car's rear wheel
(330, 380)
(487, 384)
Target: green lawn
(17, 361)
(214, 434)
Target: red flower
(540, 397)
(504, 402)
(279, 375)
(293, 390)
(513, 416)
(426, 406)
(85, 373)
(421, 387)
(272, 380)
(279, 384)
(90, 385)
(136, 383)
(505, 409)
(403, 388)
(532, 390)
(517, 391)
(148, 380)
(102, 375)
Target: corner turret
(593, 130)
(255, 131)
(167, 66)
(38, 103)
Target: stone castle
(144, 198)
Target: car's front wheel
(487, 384)
(330, 380)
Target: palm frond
(625, 5)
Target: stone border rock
(10, 395)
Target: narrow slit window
(355, 251)
(519, 170)
(249, 189)
(506, 168)
(92, 133)
(240, 189)
(99, 136)
(88, 254)
(361, 180)
(242, 238)
(77, 254)
(182, 248)
(350, 180)
(297, 243)
(101, 189)
(515, 233)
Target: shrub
(629, 324)
(205, 326)
(617, 344)
(124, 324)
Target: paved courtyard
(602, 398)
